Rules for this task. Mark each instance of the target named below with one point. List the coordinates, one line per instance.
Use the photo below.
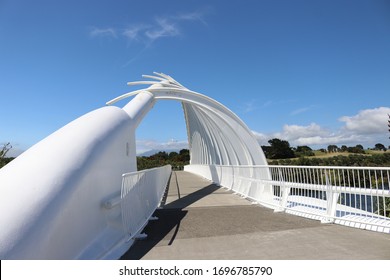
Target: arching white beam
(247, 141)
(244, 147)
(180, 94)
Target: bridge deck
(202, 221)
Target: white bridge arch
(215, 134)
(77, 193)
(63, 181)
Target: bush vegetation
(3, 152)
(375, 160)
(177, 160)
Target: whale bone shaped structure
(52, 197)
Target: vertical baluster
(303, 179)
(381, 206)
(366, 187)
(312, 182)
(384, 197)
(373, 190)
(355, 186)
(345, 190)
(308, 190)
(360, 188)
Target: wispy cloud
(134, 32)
(150, 31)
(194, 16)
(147, 33)
(103, 32)
(368, 127)
(163, 28)
(300, 110)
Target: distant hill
(153, 152)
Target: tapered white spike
(166, 77)
(153, 77)
(165, 81)
(169, 78)
(136, 83)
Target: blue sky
(311, 72)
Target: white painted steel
(71, 180)
(68, 185)
(141, 194)
(51, 195)
(215, 134)
(60, 199)
(354, 196)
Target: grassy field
(319, 154)
(369, 158)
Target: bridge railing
(353, 196)
(141, 194)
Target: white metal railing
(354, 196)
(141, 194)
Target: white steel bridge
(77, 194)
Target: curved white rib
(56, 209)
(235, 144)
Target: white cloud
(294, 132)
(368, 127)
(370, 121)
(103, 32)
(149, 32)
(148, 145)
(134, 32)
(312, 134)
(331, 139)
(262, 138)
(164, 28)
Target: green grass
(369, 158)
(319, 154)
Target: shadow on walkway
(169, 218)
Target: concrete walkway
(202, 221)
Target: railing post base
(285, 193)
(279, 210)
(327, 221)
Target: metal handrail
(358, 196)
(141, 194)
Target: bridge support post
(331, 199)
(285, 192)
(283, 201)
(331, 207)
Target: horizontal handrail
(328, 193)
(141, 194)
(338, 189)
(311, 167)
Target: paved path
(202, 221)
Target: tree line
(375, 160)
(278, 152)
(281, 149)
(176, 160)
